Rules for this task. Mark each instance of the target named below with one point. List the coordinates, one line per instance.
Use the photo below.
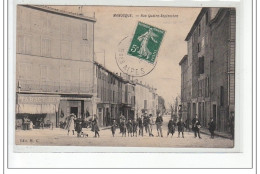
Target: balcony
(54, 87)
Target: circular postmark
(129, 64)
(136, 55)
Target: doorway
(74, 110)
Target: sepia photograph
(125, 76)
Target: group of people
(144, 122)
(137, 126)
(75, 124)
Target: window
(201, 65)
(199, 29)
(46, 47)
(207, 87)
(221, 95)
(84, 32)
(65, 49)
(25, 71)
(207, 17)
(199, 47)
(24, 45)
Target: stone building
(208, 70)
(54, 64)
(115, 95)
(146, 99)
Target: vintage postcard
(120, 76)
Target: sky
(109, 31)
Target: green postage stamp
(146, 42)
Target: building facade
(207, 83)
(54, 64)
(146, 99)
(56, 74)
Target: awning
(37, 104)
(37, 109)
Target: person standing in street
(196, 126)
(71, 124)
(121, 121)
(158, 122)
(145, 121)
(26, 123)
(95, 126)
(113, 127)
(123, 128)
(231, 125)
(171, 127)
(78, 127)
(181, 126)
(129, 126)
(135, 125)
(141, 126)
(212, 127)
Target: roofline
(220, 12)
(60, 12)
(196, 22)
(114, 74)
(183, 59)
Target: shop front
(39, 109)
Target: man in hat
(196, 126)
(212, 127)
(158, 122)
(181, 126)
(145, 121)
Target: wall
(47, 44)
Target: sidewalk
(217, 133)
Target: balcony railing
(54, 87)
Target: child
(129, 127)
(181, 126)
(113, 127)
(78, 127)
(171, 127)
(135, 124)
(123, 128)
(141, 126)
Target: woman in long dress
(70, 125)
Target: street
(59, 137)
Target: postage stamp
(146, 42)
